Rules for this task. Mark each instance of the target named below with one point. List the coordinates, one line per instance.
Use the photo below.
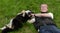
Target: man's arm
(45, 15)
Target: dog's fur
(17, 22)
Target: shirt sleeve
(51, 14)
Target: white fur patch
(3, 28)
(10, 24)
(32, 20)
(27, 11)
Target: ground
(10, 8)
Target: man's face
(44, 8)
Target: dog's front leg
(8, 25)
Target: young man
(43, 21)
(44, 11)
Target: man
(43, 21)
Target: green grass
(9, 9)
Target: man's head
(44, 7)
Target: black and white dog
(17, 22)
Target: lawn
(10, 8)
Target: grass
(9, 9)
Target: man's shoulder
(50, 12)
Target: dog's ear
(23, 13)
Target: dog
(17, 22)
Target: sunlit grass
(9, 9)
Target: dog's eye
(29, 13)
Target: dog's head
(26, 14)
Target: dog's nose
(33, 15)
